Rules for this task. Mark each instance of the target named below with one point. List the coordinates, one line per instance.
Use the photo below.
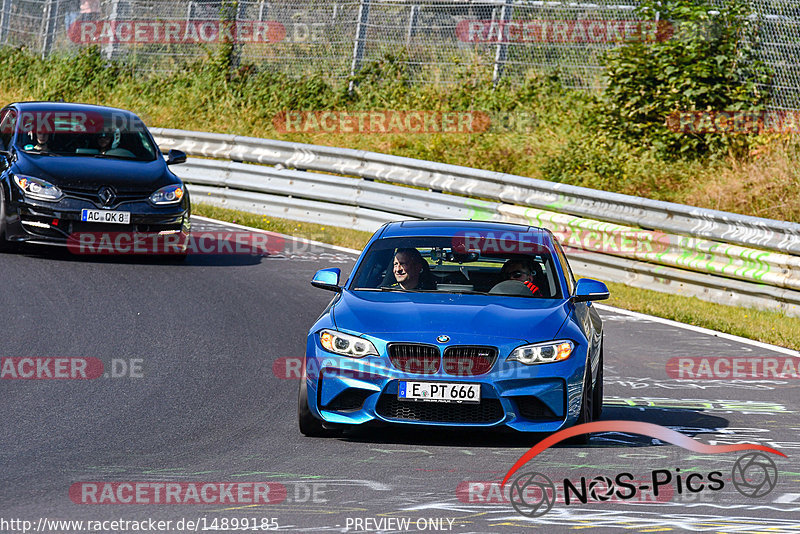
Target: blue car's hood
(401, 313)
(90, 171)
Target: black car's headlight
(171, 194)
(549, 352)
(37, 189)
(346, 345)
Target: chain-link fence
(439, 41)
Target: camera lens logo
(532, 494)
(601, 488)
(754, 475)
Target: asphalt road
(190, 394)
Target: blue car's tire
(309, 425)
(597, 392)
(587, 409)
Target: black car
(75, 169)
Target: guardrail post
(502, 47)
(360, 40)
(48, 26)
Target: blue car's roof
(448, 228)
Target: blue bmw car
(455, 324)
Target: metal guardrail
(712, 255)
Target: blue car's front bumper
(528, 398)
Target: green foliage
(705, 62)
(538, 128)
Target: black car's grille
(91, 194)
(532, 408)
(469, 360)
(488, 411)
(415, 357)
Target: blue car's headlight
(37, 188)
(345, 344)
(549, 352)
(171, 194)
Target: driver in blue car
(521, 271)
(410, 269)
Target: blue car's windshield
(445, 264)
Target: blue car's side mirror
(327, 279)
(588, 289)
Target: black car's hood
(90, 171)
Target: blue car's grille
(469, 360)
(415, 357)
(488, 411)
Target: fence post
(360, 40)
(110, 49)
(502, 46)
(412, 24)
(231, 15)
(49, 26)
(5, 15)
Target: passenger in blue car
(410, 269)
(521, 271)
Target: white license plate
(102, 216)
(439, 392)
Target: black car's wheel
(4, 244)
(597, 392)
(309, 425)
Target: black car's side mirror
(176, 156)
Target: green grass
(556, 136)
(769, 327)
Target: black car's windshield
(107, 134)
(445, 264)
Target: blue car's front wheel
(309, 425)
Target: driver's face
(517, 271)
(406, 272)
(104, 141)
(42, 137)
